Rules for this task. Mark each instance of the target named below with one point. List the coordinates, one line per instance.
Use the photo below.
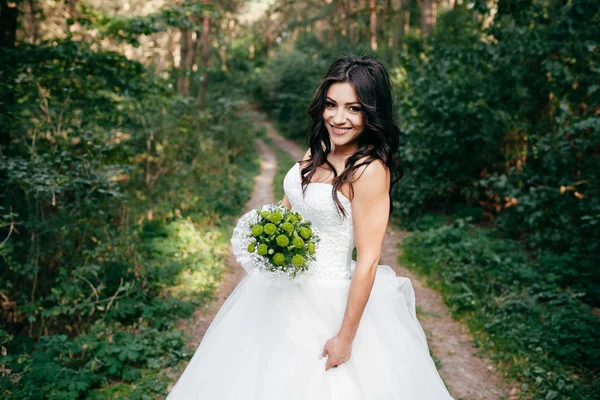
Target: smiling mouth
(339, 131)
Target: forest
(127, 153)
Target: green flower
(282, 240)
(298, 242)
(299, 217)
(275, 217)
(270, 229)
(297, 260)
(251, 247)
(287, 227)
(311, 248)
(305, 232)
(257, 230)
(279, 258)
(293, 219)
(262, 250)
(265, 214)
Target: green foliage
(115, 202)
(542, 335)
(284, 91)
(127, 29)
(285, 85)
(66, 368)
(502, 119)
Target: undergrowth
(538, 333)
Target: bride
(348, 330)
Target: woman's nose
(340, 116)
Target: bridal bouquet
(276, 239)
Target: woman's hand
(338, 351)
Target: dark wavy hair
(380, 136)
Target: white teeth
(340, 130)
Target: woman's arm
(370, 213)
(285, 200)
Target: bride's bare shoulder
(374, 173)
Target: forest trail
(466, 375)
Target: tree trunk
(33, 37)
(353, 29)
(397, 27)
(390, 20)
(426, 16)
(406, 6)
(8, 24)
(331, 29)
(197, 50)
(363, 10)
(183, 84)
(372, 6)
(344, 10)
(9, 15)
(205, 58)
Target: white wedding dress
(265, 341)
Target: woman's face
(343, 114)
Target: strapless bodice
(334, 252)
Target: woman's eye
(329, 104)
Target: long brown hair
(380, 137)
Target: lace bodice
(334, 253)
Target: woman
(349, 329)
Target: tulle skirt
(266, 340)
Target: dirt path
(262, 194)
(466, 375)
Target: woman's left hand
(338, 350)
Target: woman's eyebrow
(352, 102)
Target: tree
(373, 23)
(188, 49)
(406, 15)
(205, 57)
(427, 17)
(397, 28)
(9, 13)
